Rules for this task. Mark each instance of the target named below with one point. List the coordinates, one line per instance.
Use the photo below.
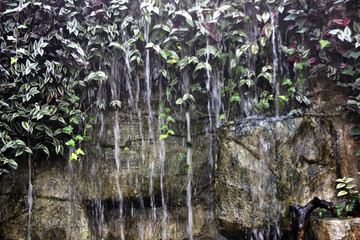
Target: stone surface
(334, 229)
(264, 165)
(80, 200)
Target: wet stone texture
(334, 229)
(264, 165)
(80, 200)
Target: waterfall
(150, 119)
(275, 61)
(209, 127)
(162, 171)
(115, 93)
(30, 197)
(128, 69)
(188, 158)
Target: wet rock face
(334, 229)
(262, 166)
(81, 200)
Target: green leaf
(342, 193)
(170, 119)
(79, 138)
(28, 150)
(164, 127)
(13, 164)
(323, 43)
(73, 156)
(79, 151)
(13, 60)
(161, 115)
(340, 185)
(349, 71)
(26, 126)
(74, 119)
(235, 98)
(73, 98)
(163, 136)
(265, 16)
(350, 186)
(347, 180)
(115, 103)
(18, 144)
(254, 48)
(71, 142)
(44, 148)
(68, 129)
(284, 97)
(179, 101)
(347, 32)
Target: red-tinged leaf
(267, 30)
(208, 26)
(342, 65)
(312, 60)
(346, 21)
(214, 36)
(358, 70)
(329, 23)
(48, 99)
(339, 21)
(341, 51)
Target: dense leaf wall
(247, 57)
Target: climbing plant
(248, 56)
(45, 67)
(326, 36)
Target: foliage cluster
(55, 54)
(326, 36)
(349, 192)
(46, 63)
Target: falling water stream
(275, 62)
(188, 159)
(30, 198)
(162, 172)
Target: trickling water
(30, 199)
(188, 159)
(275, 61)
(209, 127)
(162, 172)
(147, 77)
(128, 69)
(117, 159)
(150, 119)
(116, 96)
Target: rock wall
(80, 200)
(264, 165)
(335, 229)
